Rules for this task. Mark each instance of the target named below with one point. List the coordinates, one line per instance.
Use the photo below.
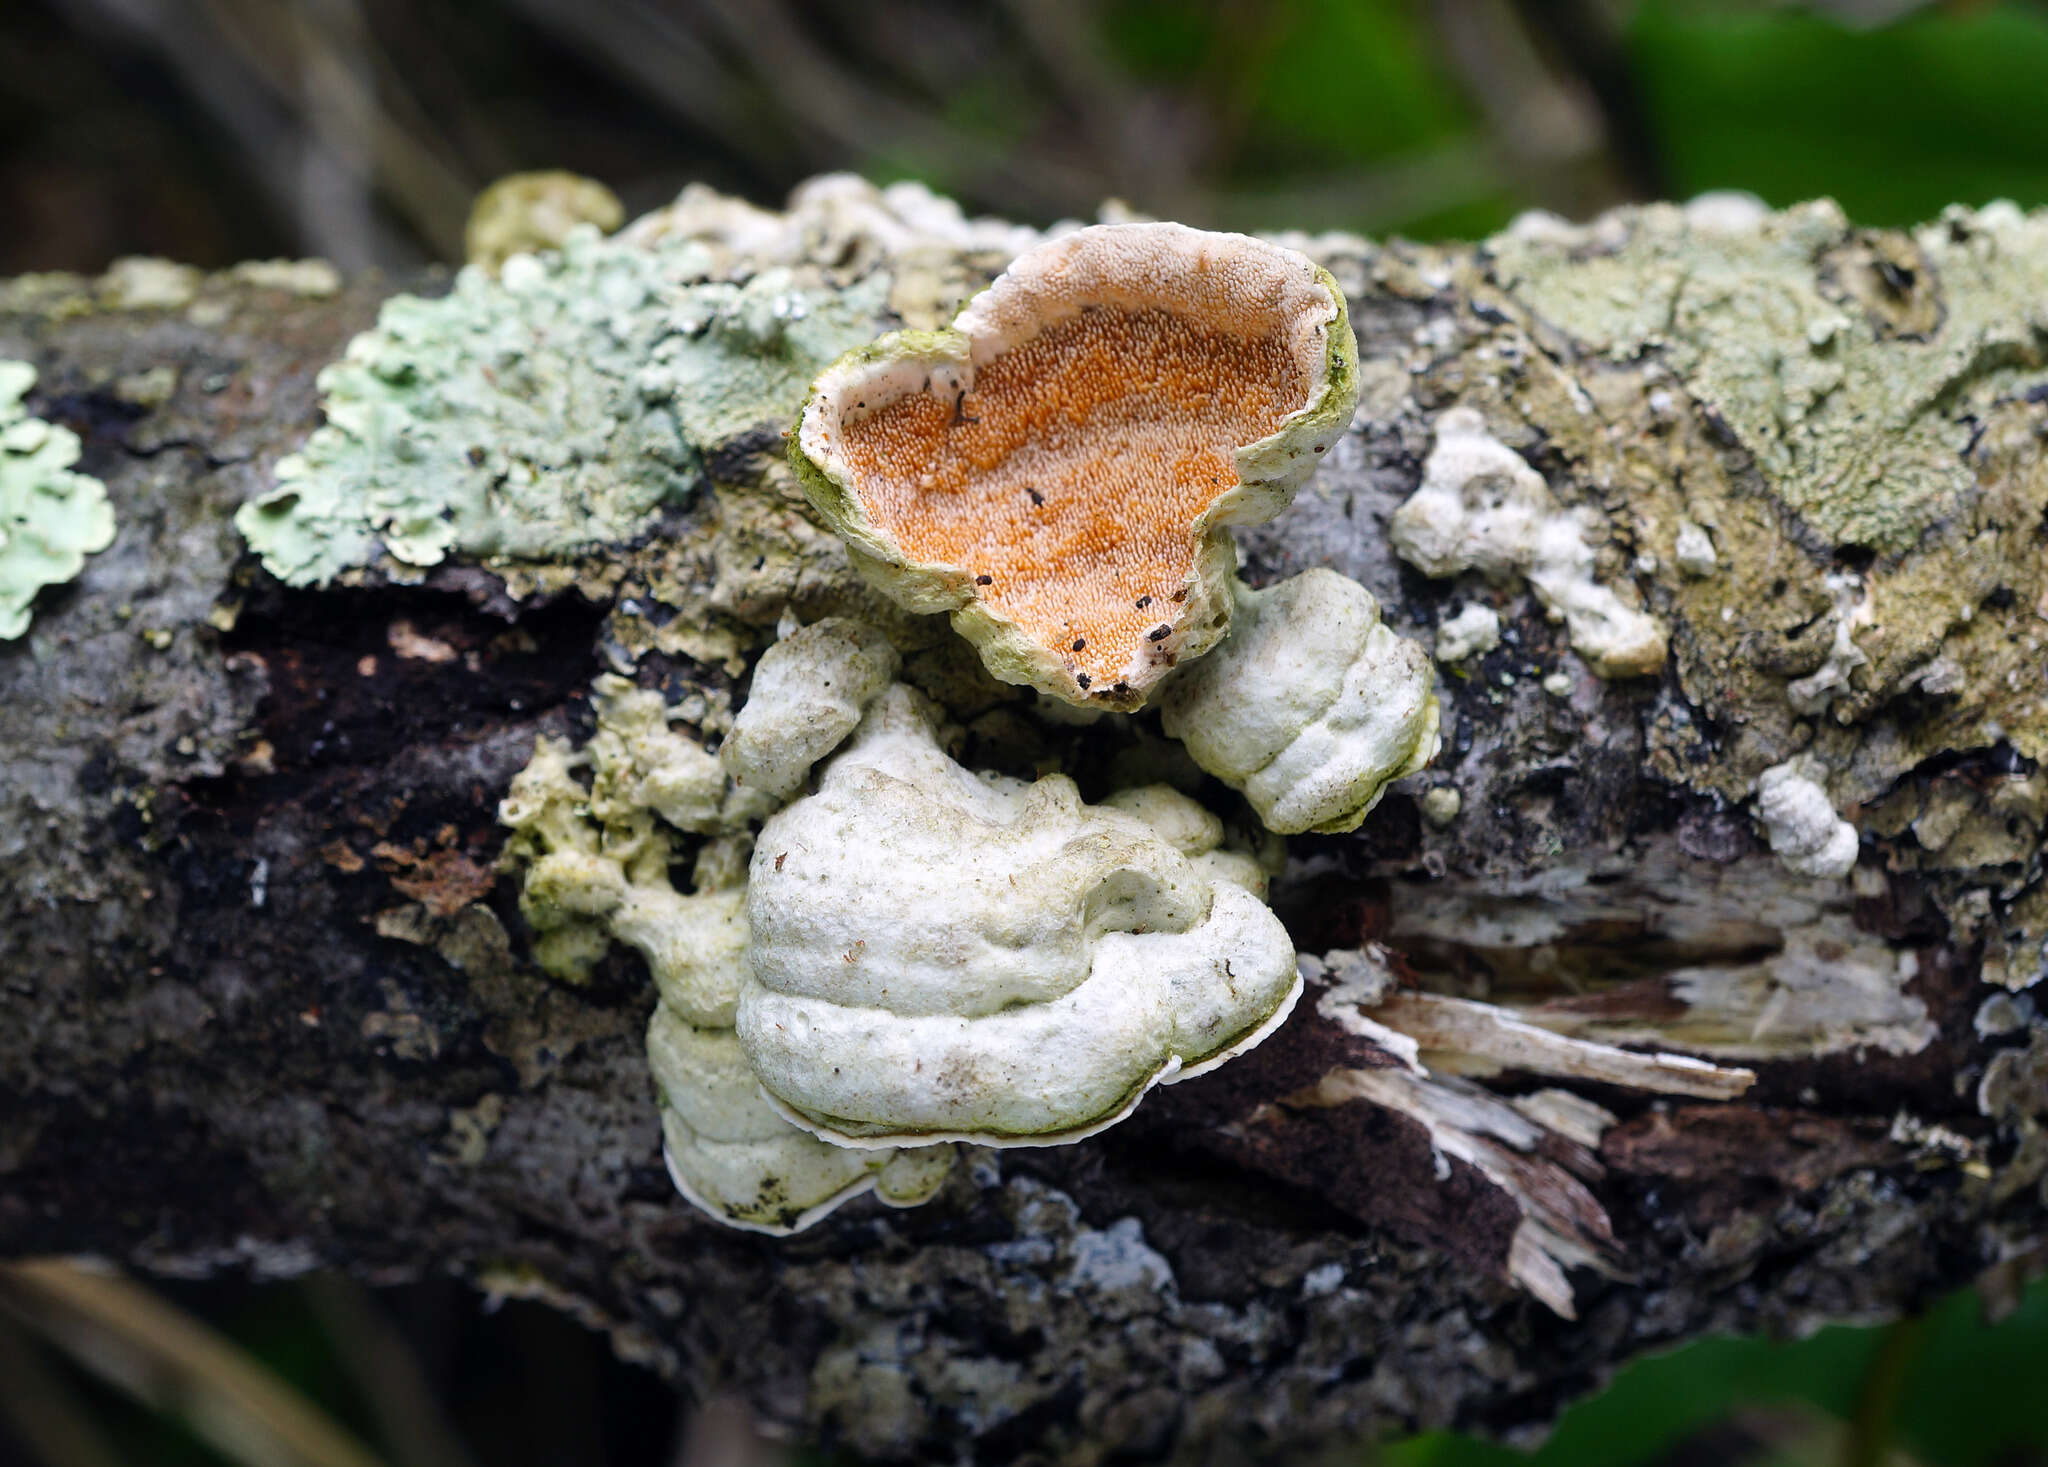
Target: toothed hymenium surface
(942, 955)
(1059, 469)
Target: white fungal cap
(1481, 507)
(1806, 834)
(1310, 707)
(807, 695)
(731, 1155)
(1059, 468)
(941, 955)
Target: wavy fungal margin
(1059, 468)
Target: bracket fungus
(597, 864)
(1806, 834)
(730, 1154)
(807, 696)
(1310, 707)
(942, 955)
(1059, 468)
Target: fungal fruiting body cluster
(1059, 469)
(908, 953)
(944, 955)
(915, 953)
(598, 860)
(1312, 707)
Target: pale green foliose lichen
(51, 517)
(940, 955)
(1310, 706)
(557, 407)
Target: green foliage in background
(1323, 113)
(1948, 105)
(1949, 1389)
(1351, 113)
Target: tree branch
(272, 1005)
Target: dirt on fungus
(1072, 474)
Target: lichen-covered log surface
(271, 1005)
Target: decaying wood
(271, 1005)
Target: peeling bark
(271, 1004)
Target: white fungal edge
(1172, 1072)
(1012, 311)
(809, 1217)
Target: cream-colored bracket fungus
(1059, 469)
(1806, 834)
(1310, 707)
(939, 955)
(599, 863)
(731, 1155)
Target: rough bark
(271, 1005)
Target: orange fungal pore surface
(1072, 472)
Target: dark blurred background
(217, 130)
